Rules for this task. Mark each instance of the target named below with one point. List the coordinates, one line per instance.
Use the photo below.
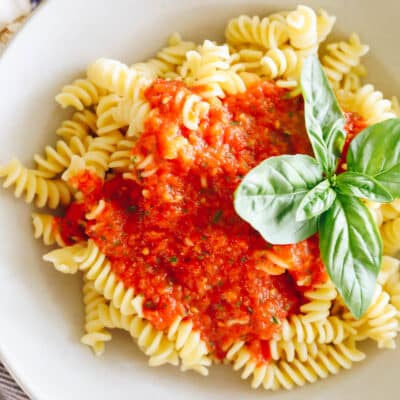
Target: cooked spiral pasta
(351, 81)
(100, 150)
(341, 57)
(45, 227)
(167, 59)
(118, 78)
(86, 118)
(329, 359)
(325, 24)
(390, 210)
(153, 343)
(80, 94)
(121, 158)
(320, 301)
(369, 103)
(390, 232)
(95, 335)
(392, 284)
(105, 114)
(283, 62)
(98, 270)
(58, 158)
(266, 33)
(379, 322)
(44, 192)
(132, 113)
(73, 128)
(302, 28)
(63, 259)
(210, 67)
(143, 167)
(191, 348)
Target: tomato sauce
(170, 229)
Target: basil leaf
(376, 152)
(351, 249)
(360, 185)
(270, 194)
(316, 201)
(324, 118)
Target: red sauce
(175, 237)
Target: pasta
(302, 28)
(146, 167)
(118, 78)
(45, 227)
(59, 158)
(341, 57)
(95, 335)
(42, 191)
(152, 342)
(81, 93)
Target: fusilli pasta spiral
(118, 78)
(153, 343)
(95, 335)
(44, 192)
(80, 94)
(341, 57)
(45, 227)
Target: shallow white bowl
(40, 310)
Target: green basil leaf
(376, 152)
(316, 201)
(351, 249)
(360, 185)
(324, 119)
(270, 194)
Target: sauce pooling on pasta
(170, 230)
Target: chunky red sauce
(171, 232)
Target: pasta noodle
(255, 31)
(121, 159)
(341, 57)
(81, 93)
(59, 158)
(132, 113)
(302, 28)
(114, 135)
(42, 191)
(95, 335)
(390, 232)
(153, 343)
(118, 78)
(45, 227)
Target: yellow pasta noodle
(95, 335)
(81, 93)
(44, 192)
(44, 227)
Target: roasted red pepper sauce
(174, 235)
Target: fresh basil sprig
(289, 198)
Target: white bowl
(40, 309)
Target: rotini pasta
(44, 192)
(302, 28)
(81, 93)
(45, 227)
(58, 158)
(149, 160)
(390, 232)
(154, 343)
(341, 57)
(118, 78)
(95, 335)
